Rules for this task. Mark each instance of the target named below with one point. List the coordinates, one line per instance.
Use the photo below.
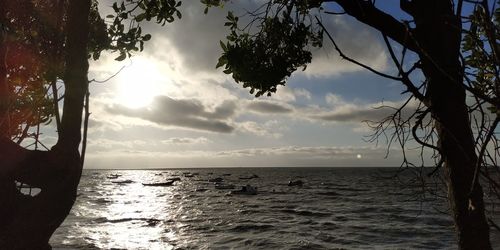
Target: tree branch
(343, 56)
(479, 162)
(404, 76)
(85, 126)
(367, 13)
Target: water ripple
(335, 209)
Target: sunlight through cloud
(139, 83)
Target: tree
(70, 32)
(57, 171)
(277, 39)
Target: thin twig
(481, 153)
(404, 76)
(109, 78)
(343, 56)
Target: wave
(336, 209)
(252, 227)
(102, 201)
(305, 213)
(330, 193)
(149, 221)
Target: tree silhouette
(45, 45)
(263, 53)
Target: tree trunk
(438, 33)
(436, 39)
(75, 77)
(4, 88)
(29, 222)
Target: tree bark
(438, 33)
(29, 222)
(75, 77)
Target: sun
(358, 156)
(139, 83)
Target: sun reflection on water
(130, 215)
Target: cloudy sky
(170, 107)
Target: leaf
(205, 11)
(140, 17)
(146, 37)
(223, 46)
(221, 62)
(110, 16)
(121, 57)
(489, 75)
(178, 13)
(492, 109)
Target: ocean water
(345, 208)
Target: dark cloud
(372, 112)
(225, 110)
(268, 107)
(196, 38)
(186, 113)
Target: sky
(171, 108)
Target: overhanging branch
(367, 13)
(343, 56)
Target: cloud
(334, 99)
(316, 152)
(194, 39)
(225, 110)
(287, 94)
(192, 43)
(300, 92)
(184, 113)
(351, 112)
(186, 140)
(355, 40)
(337, 110)
(268, 107)
(291, 156)
(102, 143)
(268, 129)
(104, 124)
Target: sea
(334, 208)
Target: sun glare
(139, 83)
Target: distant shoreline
(204, 168)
